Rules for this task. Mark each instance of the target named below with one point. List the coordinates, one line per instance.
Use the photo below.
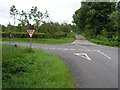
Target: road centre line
(104, 54)
(70, 49)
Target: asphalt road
(92, 66)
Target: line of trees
(41, 22)
(98, 19)
(49, 30)
(25, 18)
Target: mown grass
(26, 68)
(43, 41)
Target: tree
(23, 18)
(80, 16)
(118, 6)
(118, 14)
(3, 28)
(93, 17)
(37, 16)
(14, 13)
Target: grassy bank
(104, 42)
(43, 41)
(33, 69)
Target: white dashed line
(104, 54)
(72, 49)
(53, 48)
(88, 50)
(80, 49)
(64, 49)
(94, 50)
(59, 48)
(45, 48)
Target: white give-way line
(71, 49)
(82, 54)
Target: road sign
(30, 32)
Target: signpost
(30, 31)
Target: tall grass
(26, 68)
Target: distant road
(92, 66)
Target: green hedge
(22, 35)
(36, 35)
(60, 35)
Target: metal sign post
(30, 43)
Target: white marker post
(30, 32)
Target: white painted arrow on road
(83, 55)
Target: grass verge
(104, 42)
(26, 68)
(43, 41)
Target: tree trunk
(14, 23)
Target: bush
(115, 38)
(60, 35)
(36, 35)
(99, 37)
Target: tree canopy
(96, 18)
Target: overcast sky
(59, 10)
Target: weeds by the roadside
(26, 68)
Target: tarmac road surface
(92, 66)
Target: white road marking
(72, 49)
(53, 48)
(64, 49)
(81, 49)
(45, 48)
(83, 55)
(104, 54)
(59, 48)
(88, 50)
(94, 50)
